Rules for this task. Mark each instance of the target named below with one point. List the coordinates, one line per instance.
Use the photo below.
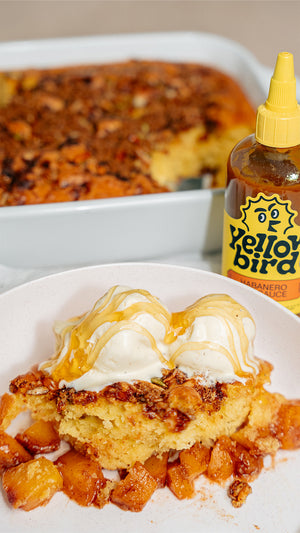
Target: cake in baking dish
(137, 127)
(128, 379)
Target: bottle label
(262, 249)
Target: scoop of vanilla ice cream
(121, 339)
(130, 335)
(216, 342)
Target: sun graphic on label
(269, 214)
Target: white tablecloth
(11, 277)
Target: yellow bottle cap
(278, 120)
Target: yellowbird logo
(263, 248)
(268, 214)
(264, 239)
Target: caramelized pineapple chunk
(221, 466)
(157, 467)
(32, 484)
(82, 477)
(288, 425)
(246, 466)
(40, 437)
(178, 483)
(229, 457)
(10, 407)
(12, 452)
(195, 460)
(135, 490)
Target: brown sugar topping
(176, 402)
(88, 132)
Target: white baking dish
(121, 229)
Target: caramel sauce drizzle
(82, 354)
(228, 311)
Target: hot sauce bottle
(261, 240)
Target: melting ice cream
(130, 335)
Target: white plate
(26, 317)
(123, 229)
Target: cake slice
(129, 379)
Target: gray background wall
(264, 27)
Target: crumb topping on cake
(100, 131)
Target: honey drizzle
(220, 306)
(82, 354)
